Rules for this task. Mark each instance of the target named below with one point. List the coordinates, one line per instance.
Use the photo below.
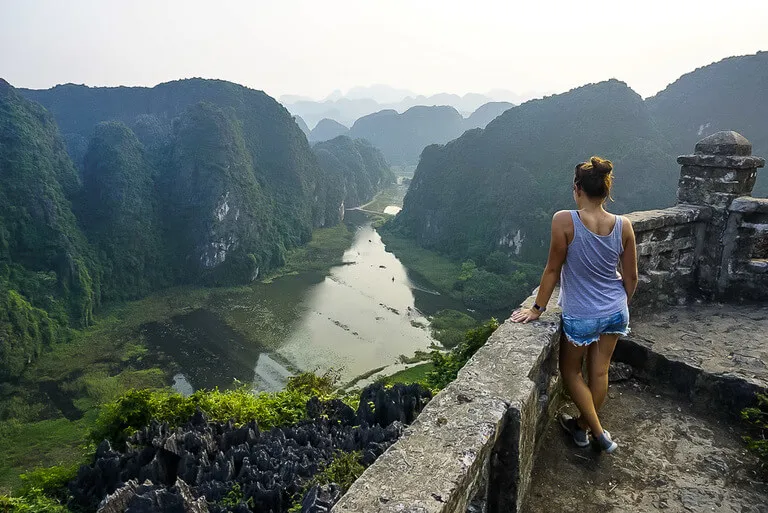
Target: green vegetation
(497, 188)
(447, 366)
(757, 419)
(343, 470)
(500, 285)
(392, 195)
(136, 407)
(357, 169)
(416, 374)
(49, 278)
(323, 251)
(119, 213)
(450, 326)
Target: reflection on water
(362, 316)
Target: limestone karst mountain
(486, 113)
(402, 137)
(326, 130)
(193, 181)
(499, 186)
(358, 166)
(726, 95)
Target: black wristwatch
(540, 309)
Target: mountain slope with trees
(356, 165)
(498, 187)
(49, 278)
(193, 181)
(727, 95)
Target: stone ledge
(647, 220)
(441, 461)
(748, 205)
(721, 161)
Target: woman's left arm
(558, 247)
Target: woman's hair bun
(601, 165)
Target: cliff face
(500, 186)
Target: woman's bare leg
(571, 359)
(598, 360)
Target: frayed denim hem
(588, 342)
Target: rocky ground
(717, 338)
(196, 467)
(671, 458)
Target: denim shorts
(582, 332)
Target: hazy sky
(315, 46)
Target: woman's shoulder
(563, 220)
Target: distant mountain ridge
(497, 188)
(326, 130)
(402, 137)
(361, 101)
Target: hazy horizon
(311, 49)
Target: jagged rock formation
(327, 129)
(207, 459)
(359, 169)
(402, 137)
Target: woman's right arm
(629, 259)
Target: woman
(588, 247)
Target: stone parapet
(669, 246)
(475, 441)
(744, 268)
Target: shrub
(447, 365)
(757, 418)
(136, 408)
(51, 481)
(35, 501)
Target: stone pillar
(721, 170)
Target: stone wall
(669, 244)
(745, 269)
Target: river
(361, 316)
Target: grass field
(415, 374)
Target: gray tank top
(590, 284)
